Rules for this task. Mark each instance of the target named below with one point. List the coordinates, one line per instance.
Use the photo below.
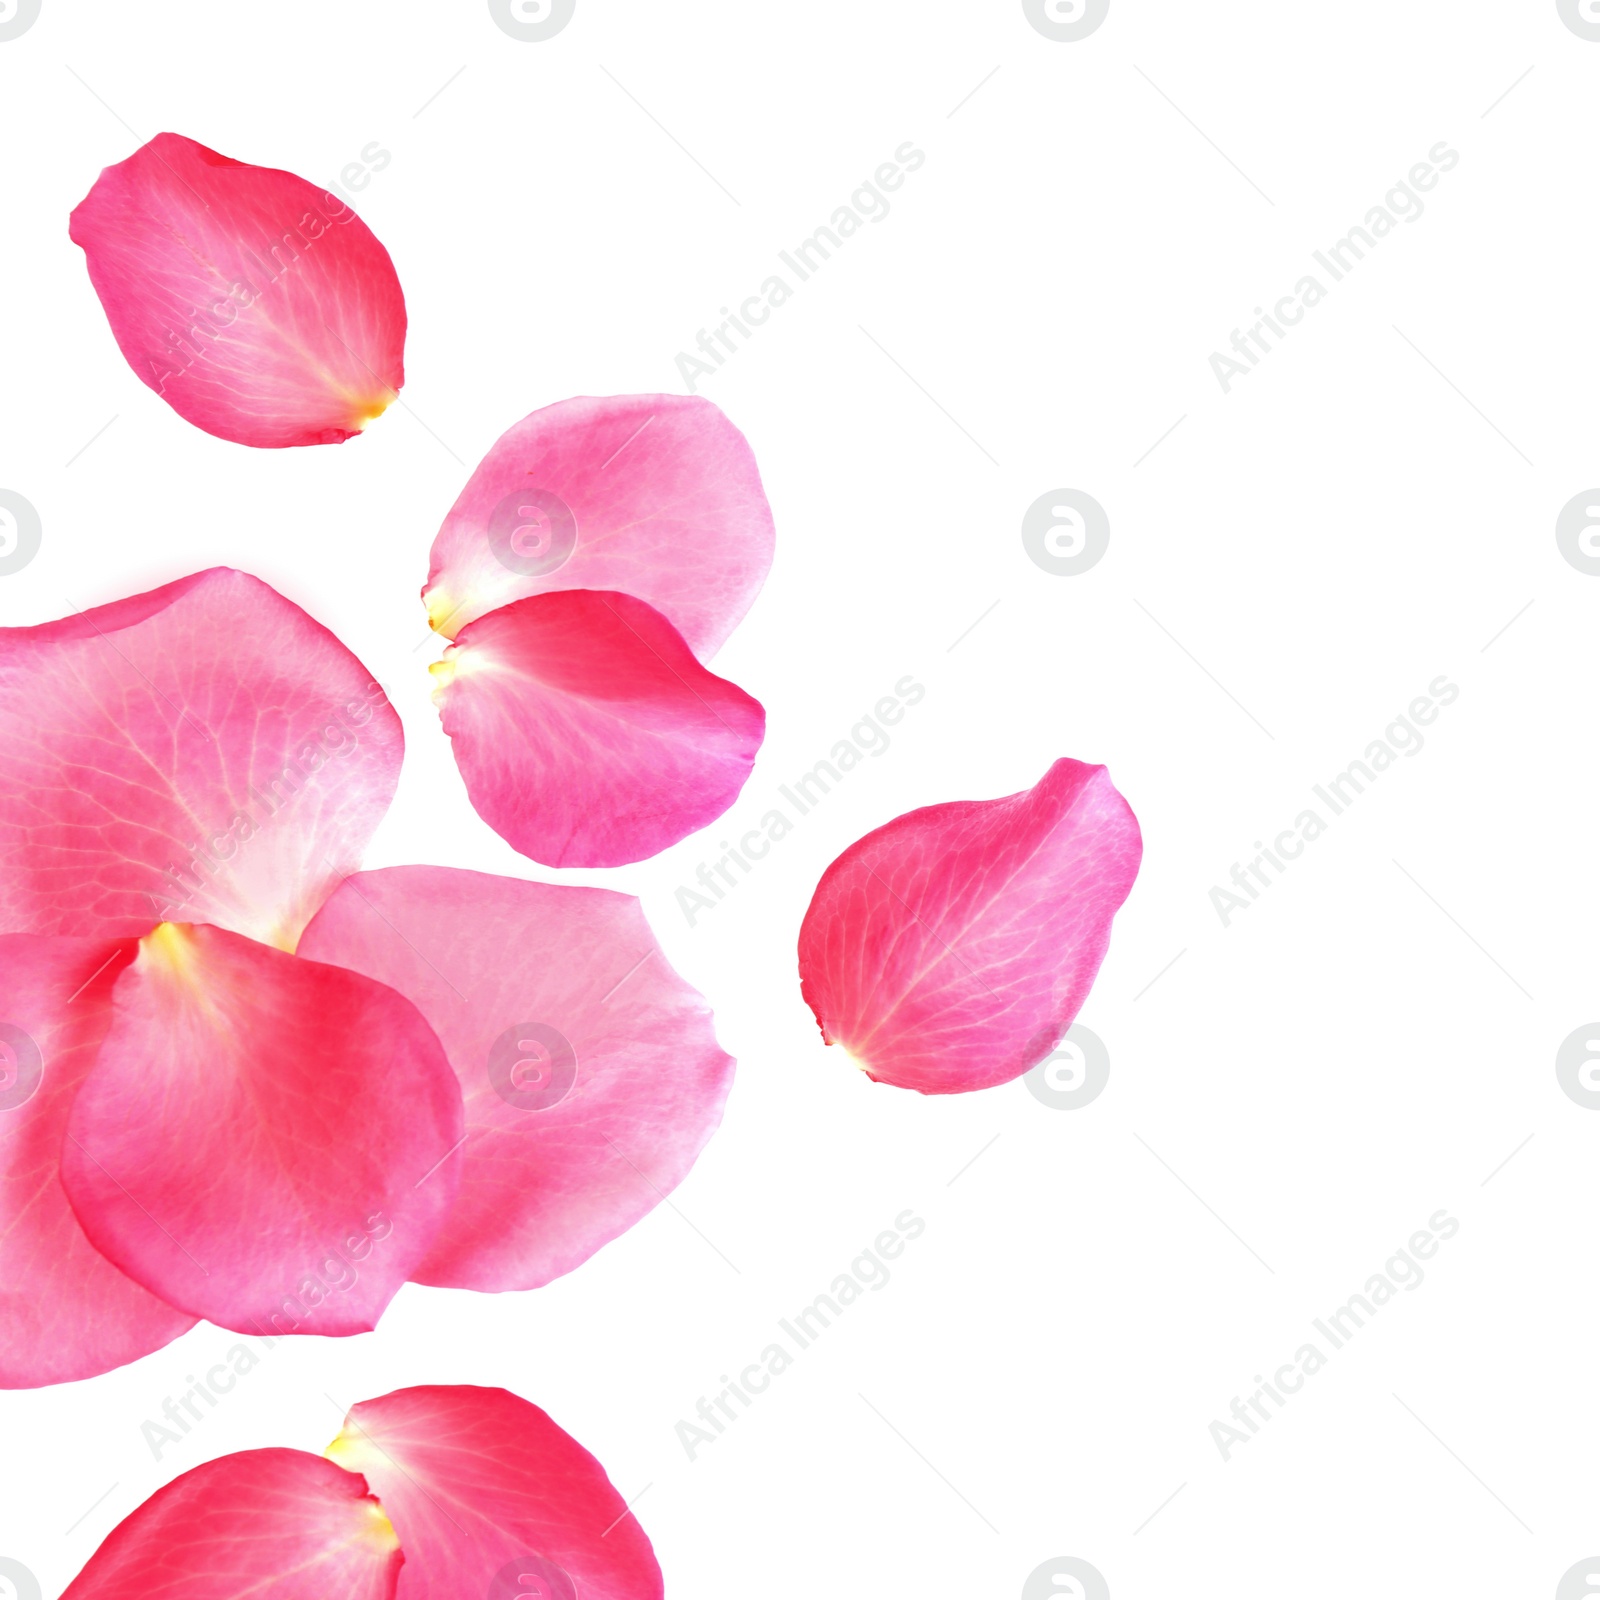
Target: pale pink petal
(653, 495)
(264, 1140)
(259, 1525)
(257, 305)
(587, 733)
(492, 1501)
(203, 752)
(951, 948)
(66, 1311)
(591, 1073)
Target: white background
(1293, 1096)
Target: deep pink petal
(264, 1140)
(492, 1501)
(587, 733)
(257, 305)
(259, 1525)
(591, 1073)
(653, 495)
(203, 752)
(67, 1313)
(951, 948)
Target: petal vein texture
(590, 1071)
(258, 306)
(491, 1499)
(259, 1525)
(656, 496)
(204, 752)
(951, 949)
(586, 731)
(67, 1313)
(265, 1141)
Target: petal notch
(265, 1141)
(259, 1525)
(587, 733)
(203, 752)
(591, 1074)
(654, 495)
(950, 949)
(490, 1498)
(259, 307)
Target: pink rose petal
(204, 751)
(492, 1501)
(651, 495)
(66, 1311)
(260, 1525)
(591, 1073)
(951, 948)
(265, 1141)
(587, 733)
(258, 306)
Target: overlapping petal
(203, 752)
(67, 1313)
(258, 306)
(259, 1525)
(591, 1074)
(264, 1141)
(490, 1498)
(656, 496)
(951, 949)
(587, 732)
